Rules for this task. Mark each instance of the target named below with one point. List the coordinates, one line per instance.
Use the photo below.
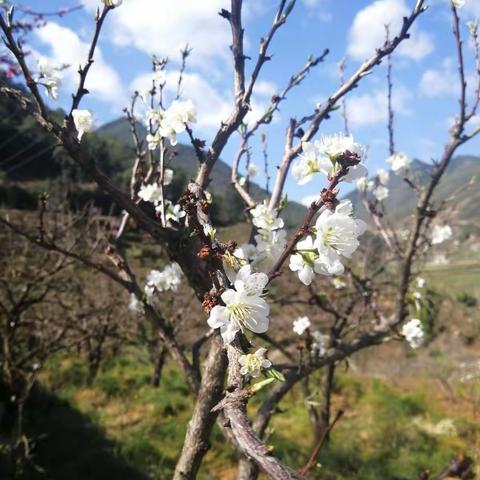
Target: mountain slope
(186, 161)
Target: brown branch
(83, 71)
(313, 457)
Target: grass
(122, 428)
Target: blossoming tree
(232, 281)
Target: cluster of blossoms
(168, 279)
(413, 332)
(323, 157)
(244, 306)
(335, 235)
(440, 234)
(252, 363)
(153, 193)
(378, 186)
(49, 77)
(169, 123)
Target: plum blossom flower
(167, 176)
(334, 146)
(153, 141)
(306, 261)
(458, 3)
(252, 170)
(209, 231)
(364, 184)
(440, 234)
(265, 218)
(380, 193)
(301, 324)
(420, 282)
(173, 212)
(309, 163)
(50, 78)
(320, 343)
(150, 193)
(252, 364)
(413, 332)
(135, 305)
(337, 235)
(83, 121)
(169, 278)
(383, 176)
(399, 162)
(233, 262)
(244, 306)
(176, 119)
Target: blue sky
(425, 78)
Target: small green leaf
(259, 385)
(283, 202)
(275, 374)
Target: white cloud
(372, 108)
(317, 8)
(444, 81)
(438, 82)
(368, 31)
(165, 27)
(65, 47)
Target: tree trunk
(199, 428)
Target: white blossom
(244, 306)
(242, 181)
(364, 184)
(252, 364)
(320, 343)
(323, 155)
(301, 324)
(440, 234)
(150, 193)
(309, 163)
(252, 170)
(399, 162)
(413, 332)
(306, 261)
(380, 193)
(420, 282)
(458, 3)
(167, 176)
(135, 305)
(176, 118)
(383, 176)
(112, 3)
(169, 278)
(83, 121)
(265, 218)
(153, 141)
(173, 212)
(337, 235)
(209, 231)
(50, 78)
